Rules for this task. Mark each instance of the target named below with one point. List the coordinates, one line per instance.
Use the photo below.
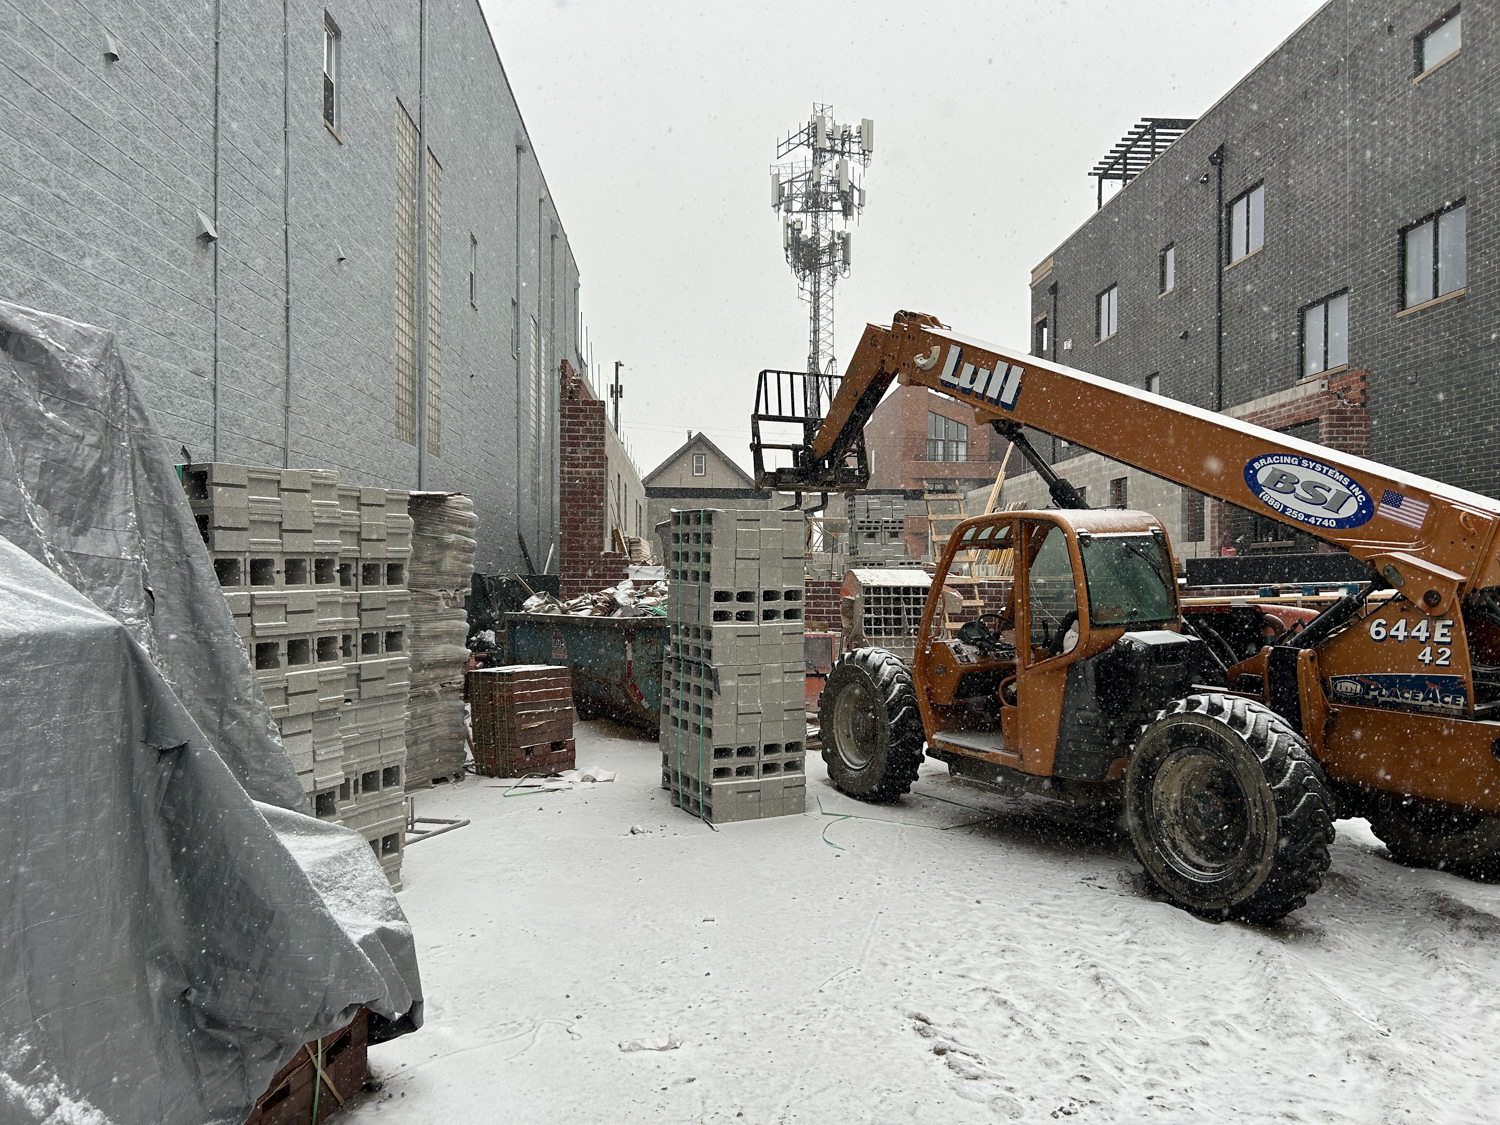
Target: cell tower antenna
(818, 192)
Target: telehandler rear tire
(871, 729)
(1423, 834)
(1227, 809)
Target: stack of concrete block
(877, 530)
(523, 719)
(733, 728)
(442, 568)
(372, 793)
(315, 577)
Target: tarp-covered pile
(173, 926)
(439, 573)
(625, 600)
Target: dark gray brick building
(390, 293)
(1329, 221)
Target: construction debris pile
(315, 575)
(625, 600)
(442, 566)
(733, 724)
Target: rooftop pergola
(1138, 148)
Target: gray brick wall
(108, 163)
(1351, 149)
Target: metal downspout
(424, 309)
(218, 35)
(286, 226)
(1216, 159)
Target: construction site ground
(957, 957)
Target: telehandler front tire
(871, 729)
(1227, 809)
(1422, 834)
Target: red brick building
(585, 491)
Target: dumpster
(616, 661)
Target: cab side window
(1050, 587)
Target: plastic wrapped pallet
(440, 569)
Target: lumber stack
(733, 731)
(442, 567)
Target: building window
(406, 277)
(1108, 316)
(700, 464)
(1433, 256)
(330, 72)
(1440, 42)
(1119, 492)
(1247, 223)
(1192, 516)
(1325, 334)
(1153, 383)
(947, 439)
(1166, 270)
(473, 271)
(1039, 338)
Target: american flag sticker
(1403, 509)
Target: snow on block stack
(733, 725)
(441, 569)
(282, 586)
(523, 719)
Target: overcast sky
(656, 126)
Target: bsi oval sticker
(1308, 491)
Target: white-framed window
(1440, 42)
(1039, 338)
(1247, 223)
(473, 270)
(700, 464)
(1153, 383)
(1166, 271)
(947, 438)
(1434, 256)
(1107, 315)
(1325, 334)
(331, 75)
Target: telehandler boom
(1231, 741)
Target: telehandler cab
(1231, 740)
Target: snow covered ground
(956, 958)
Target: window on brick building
(1433, 257)
(1107, 315)
(1039, 338)
(331, 44)
(1440, 42)
(1153, 383)
(947, 439)
(1119, 492)
(1166, 270)
(1325, 334)
(700, 464)
(1192, 513)
(1247, 223)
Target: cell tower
(815, 193)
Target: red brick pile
(523, 719)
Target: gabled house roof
(701, 442)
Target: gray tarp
(172, 924)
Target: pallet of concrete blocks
(439, 575)
(733, 727)
(523, 719)
(278, 567)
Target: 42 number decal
(1436, 637)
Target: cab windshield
(1129, 579)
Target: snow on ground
(958, 957)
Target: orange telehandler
(1231, 752)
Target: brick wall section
(582, 490)
(822, 601)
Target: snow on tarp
(173, 926)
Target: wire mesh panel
(434, 306)
(406, 276)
